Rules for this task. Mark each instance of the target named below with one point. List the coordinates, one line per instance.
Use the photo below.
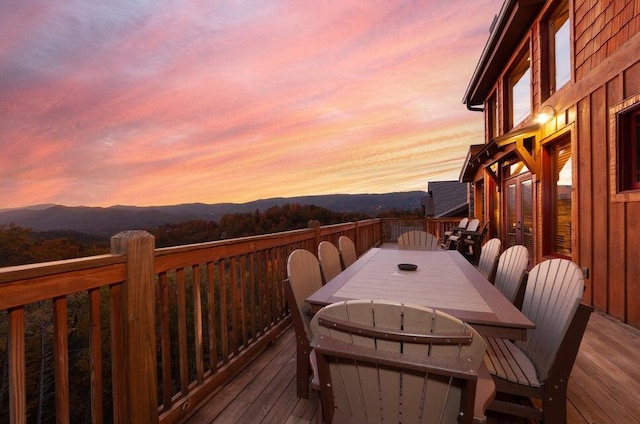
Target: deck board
(604, 386)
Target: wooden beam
(492, 174)
(525, 157)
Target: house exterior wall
(605, 71)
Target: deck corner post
(133, 331)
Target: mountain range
(106, 221)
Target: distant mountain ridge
(111, 220)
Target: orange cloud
(187, 101)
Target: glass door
(519, 211)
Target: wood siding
(601, 27)
(606, 71)
(602, 31)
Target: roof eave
(514, 19)
(465, 173)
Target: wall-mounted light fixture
(546, 113)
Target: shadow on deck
(604, 386)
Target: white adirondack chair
(381, 361)
(540, 366)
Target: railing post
(356, 242)
(315, 224)
(133, 331)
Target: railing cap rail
(28, 271)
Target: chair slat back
(354, 383)
(554, 290)
(462, 225)
(303, 272)
(347, 251)
(473, 225)
(511, 265)
(489, 256)
(417, 240)
(329, 257)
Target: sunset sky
(159, 102)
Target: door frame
(517, 181)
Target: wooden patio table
(444, 280)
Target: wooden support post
(133, 331)
(356, 242)
(315, 224)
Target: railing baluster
(118, 380)
(197, 323)
(268, 289)
(233, 282)
(211, 316)
(253, 301)
(278, 277)
(224, 329)
(61, 359)
(183, 348)
(17, 384)
(165, 340)
(243, 300)
(95, 355)
(261, 312)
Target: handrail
(214, 308)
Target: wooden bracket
(525, 157)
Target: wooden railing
(145, 334)
(393, 227)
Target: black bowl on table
(407, 267)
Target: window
(520, 91)
(558, 49)
(559, 207)
(562, 51)
(624, 149)
(629, 127)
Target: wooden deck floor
(604, 386)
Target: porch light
(546, 113)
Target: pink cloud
(152, 103)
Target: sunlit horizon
(160, 103)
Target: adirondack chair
(329, 257)
(418, 240)
(511, 274)
(470, 243)
(472, 226)
(303, 272)
(539, 367)
(347, 251)
(381, 361)
(462, 225)
(489, 258)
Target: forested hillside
(19, 245)
(107, 221)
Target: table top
(444, 280)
